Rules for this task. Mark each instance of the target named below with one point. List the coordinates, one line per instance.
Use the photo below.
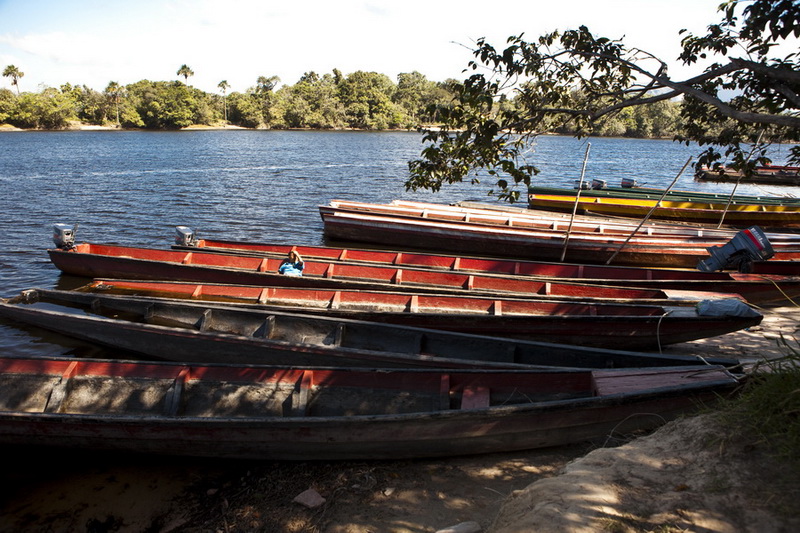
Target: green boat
(649, 193)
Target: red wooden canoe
(757, 289)
(616, 326)
(257, 412)
(96, 260)
(473, 239)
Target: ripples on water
(133, 188)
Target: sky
(94, 42)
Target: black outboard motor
(598, 184)
(184, 236)
(64, 236)
(746, 246)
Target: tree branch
(730, 112)
(776, 73)
(685, 88)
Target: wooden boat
(768, 175)
(276, 413)
(651, 193)
(581, 227)
(454, 237)
(97, 260)
(787, 264)
(630, 327)
(207, 332)
(759, 289)
(739, 215)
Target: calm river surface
(133, 188)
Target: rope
(775, 283)
(614, 429)
(658, 332)
(698, 356)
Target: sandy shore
(683, 477)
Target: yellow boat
(742, 215)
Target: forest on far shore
(360, 100)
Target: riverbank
(684, 477)
(80, 126)
(77, 126)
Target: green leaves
(164, 105)
(575, 80)
(50, 109)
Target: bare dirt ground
(680, 478)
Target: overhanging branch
(659, 80)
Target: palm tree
(223, 86)
(185, 71)
(15, 74)
(115, 90)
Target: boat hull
(297, 414)
(490, 241)
(559, 224)
(621, 327)
(759, 289)
(94, 260)
(649, 193)
(739, 215)
(200, 332)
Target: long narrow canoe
(454, 237)
(786, 244)
(629, 327)
(207, 332)
(582, 227)
(740, 215)
(759, 289)
(541, 195)
(274, 413)
(680, 195)
(97, 260)
(591, 223)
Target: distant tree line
(360, 100)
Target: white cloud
(92, 43)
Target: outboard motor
(598, 184)
(64, 236)
(184, 236)
(746, 246)
(581, 185)
(629, 183)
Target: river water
(133, 188)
